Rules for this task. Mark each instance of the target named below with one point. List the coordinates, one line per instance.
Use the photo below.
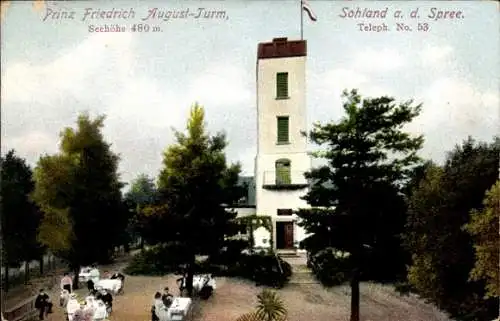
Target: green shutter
(283, 130)
(283, 174)
(282, 85)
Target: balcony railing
(283, 179)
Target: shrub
(330, 267)
(230, 253)
(158, 260)
(265, 269)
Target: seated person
(118, 275)
(79, 314)
(107, 299)
(64, 298)
(156, 303)
(100, 312)
(167, 298)
(98, 293)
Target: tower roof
(282, 48)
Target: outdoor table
(113, 285)
(179, 309)
(199, 281)
(71, 308)
(99, 309)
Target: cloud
(220, 84)
(96, 63)
(140, 109)
(373, 61)
(32, 143)
(455, 109)
(433, 55)
(337, 80)
(142, 101)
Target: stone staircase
(301, 274)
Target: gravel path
(312, 302)
(234, 297)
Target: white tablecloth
(87, 273)
(199, 281)
(113, 285)
(99, 309)
(179, 309)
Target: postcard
(250, 160)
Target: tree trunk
(252, 240)
(355, 296)
(26, 272)
(190, 275)
(6, 279)
(76, 270)
(41, 265)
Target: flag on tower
(307, 8)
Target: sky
(145, 82)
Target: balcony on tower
(284, 180)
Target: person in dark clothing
(182, 283)
(120, 277)
(167, 298)
(107, 299)
(43, 304)
(98, 295)
(117, 275)
(154, 317)
(90, 285)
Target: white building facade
(282, 157)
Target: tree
(78, 191)
(483, 227)
(194, 185)
(442, 251)
(269, 308)
(142, 193)
(20, 216)
(356, 200)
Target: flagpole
(301, 21)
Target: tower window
(283, 130)
(282, 85)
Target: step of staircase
(303, 277)
(287, 253)
(301, 274)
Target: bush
(230, 253)
(329, 267)
(159, 260)
(264, 269)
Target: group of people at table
(96, 306)
(166, 307)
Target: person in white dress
(79, 314)
(160, 310)
(64, 298)
(100, 313)
(94, 277)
